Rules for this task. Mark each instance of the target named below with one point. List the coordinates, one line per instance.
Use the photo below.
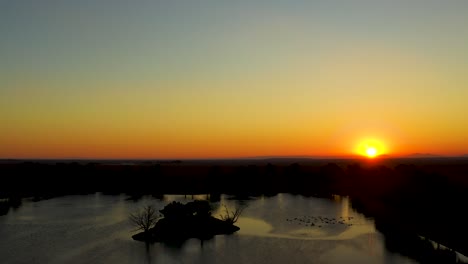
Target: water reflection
(95, 229)
(252, 226)
(304, 227)
(186, 197)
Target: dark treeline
(41, 179)
(424, 199)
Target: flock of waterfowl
(319, 221)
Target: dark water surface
(284, 228)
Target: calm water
(95, 229)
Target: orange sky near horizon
(230, 80)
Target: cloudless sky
(195, 79)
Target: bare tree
(144, 219)
(231, 216)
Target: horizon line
(351, 156)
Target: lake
(284, 228)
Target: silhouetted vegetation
(183, 221)
(415, 196)
(145, 219)
(231, 216)
(415, 247)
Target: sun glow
(371, 152)
(371, 148)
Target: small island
(179, 222)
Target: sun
(371, 152)
(371, 148)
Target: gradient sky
(198, 79)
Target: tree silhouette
(144, 219)
(231, 216)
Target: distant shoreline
(137, 161)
